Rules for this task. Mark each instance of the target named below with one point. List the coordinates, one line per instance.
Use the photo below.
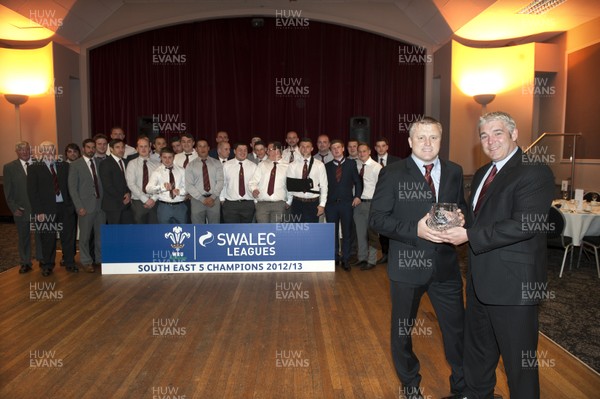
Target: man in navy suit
(48, 191)
(344, 191)
(418, 261)
(15, 192)
(507, 262)
(384, 158)
(116, 198)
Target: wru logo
(177, 237)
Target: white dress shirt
(180, 158)
(134, 175)
(370, 176)
(318, 176)
(160, 176)
(231, 173)
(287, 153)
(261, 177)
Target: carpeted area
(569, 316)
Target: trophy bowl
(443, 216)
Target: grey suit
(15, 192)
(83, 194)
(194, 185)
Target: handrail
(574, 135)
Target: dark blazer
(114, 185)
(350, 179)
(40, 187)
(402, 197)
(15, 189)
(390, 158)
(507, 257)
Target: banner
(218, 248)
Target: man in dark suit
(384, 158)
(344, 191)
(48, 191)
(85, 189)
(116, 198)
(222, 136)
(507, 262)
(418, 261)
(15, 192)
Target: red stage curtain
(227, 75)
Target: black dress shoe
(46, 272)
(383, 259)
(73, 269)
(346, 267)
(367, 266)
(24, 269)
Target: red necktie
(485, 186)
(144, 176)
(95, 177)
(305, 170)
(291, 156)
(338, 171)
(241, 185)
(172, 182)
(187, 160)
(271, 186)
(205, 177)
(55, 180)
(428, 178)
(362, 171)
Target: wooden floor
(303, 335)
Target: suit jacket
(114, 185)
(81, 186)
(507, 257)
(390, 158)
(350, 180)
(402, 197)
(40, 187)
(15, 189)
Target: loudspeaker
(360, 129)
(147, 128)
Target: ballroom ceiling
(429, 23)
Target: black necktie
(55, 180)
(291, 156)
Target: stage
(280, 335)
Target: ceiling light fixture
(539, 7)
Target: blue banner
(214, 248)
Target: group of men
(375, 198)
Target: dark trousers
(143, 215)
(238, 211)
(447, 300)
(341, 212)
(65, 223)
(123, 216)
(305, 212)
(491, 331)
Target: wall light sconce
(484, 100)
(24, 73)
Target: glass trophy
(443, 216)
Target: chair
(556, 239)
(590, 195)
(594, 244)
